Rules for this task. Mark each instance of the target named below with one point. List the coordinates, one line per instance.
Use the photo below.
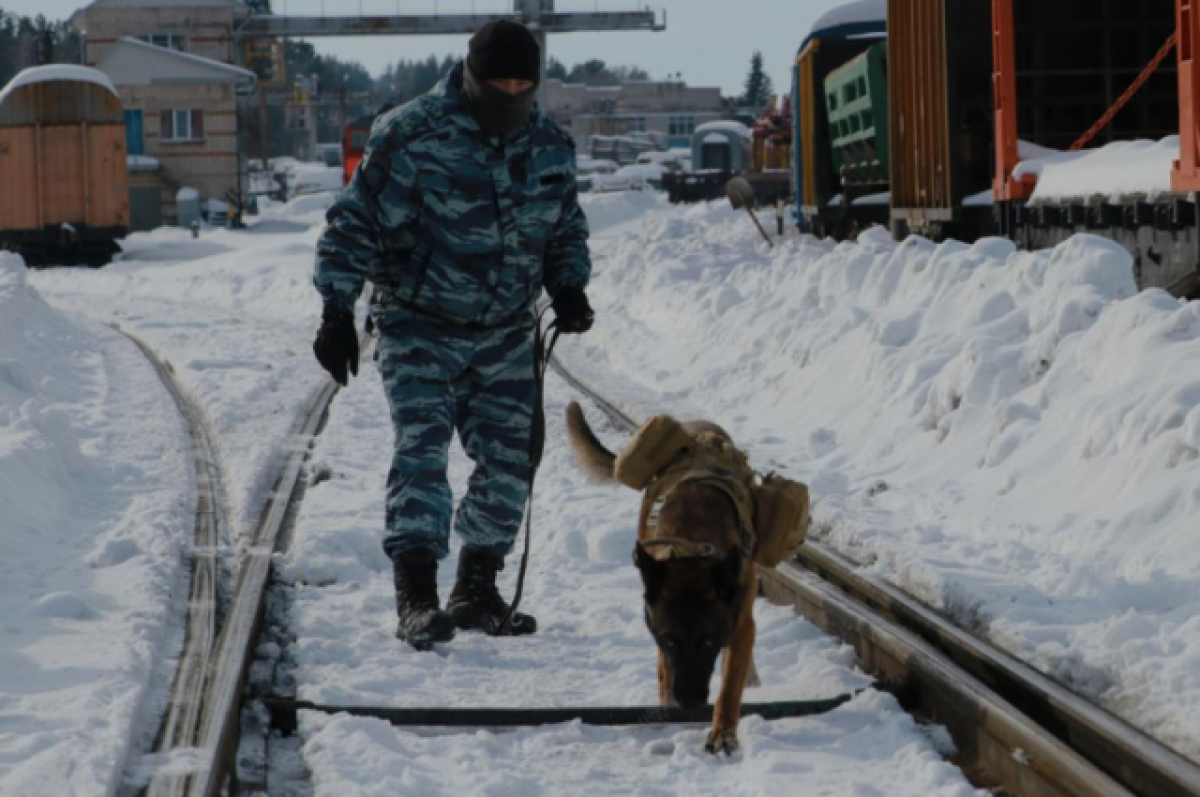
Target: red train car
(354, 141)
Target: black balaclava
(501, 50)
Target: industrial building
(669, 107)
(173, 65)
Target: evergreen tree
(555, 69)
(759, 91)
(594, 73)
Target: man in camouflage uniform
(463, 210)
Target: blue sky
(709, 41)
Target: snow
(880, 198)
(983, 199)
(95, 497)
(64, 72)
(591, 649)
(588, 165)
(866, 748)
(1123, 169)
(723, 126)
(142, 163)
(858, 12)
(313, 178)
(1013, 437)
(636, 177)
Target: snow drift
(93, 520)
(1012, 436)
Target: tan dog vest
(773, 512)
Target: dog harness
(711, 460)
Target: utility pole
(531, 13)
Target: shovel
(741, 195)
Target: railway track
(201, 720)
(1014, 729)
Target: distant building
(669, 107)
(172, 62)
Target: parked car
(640, 177)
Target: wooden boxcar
(65, 196)
(836, 37)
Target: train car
(834, 39)
(354, 142)
(65, 198)
(986, 103)
(722, 145)
(1059, 74)
(771, 161)
(720, 149)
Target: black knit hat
(505, 50)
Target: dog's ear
(653, 571)
(727, 574)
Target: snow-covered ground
(95, 509)
(96, 496)
(592, 648)
(97, 506)
(1013, 437)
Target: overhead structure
(538, 15)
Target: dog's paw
(725, 741)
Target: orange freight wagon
(64, 182)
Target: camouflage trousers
(481, 383)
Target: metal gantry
(539, 16)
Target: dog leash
(542, 349)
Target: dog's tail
(590, 454)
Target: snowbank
(96, 516)
(1139, 169)
(1014, 437)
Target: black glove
(336, 345)
(572, 311)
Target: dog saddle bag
(650, 451)
(773, 513)
(781, 518)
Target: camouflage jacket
(453, 224)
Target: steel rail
(1014, 728)
(182, 719)
(202, 716)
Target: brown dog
(699, 595)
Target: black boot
(475, 603)
(422, 622)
